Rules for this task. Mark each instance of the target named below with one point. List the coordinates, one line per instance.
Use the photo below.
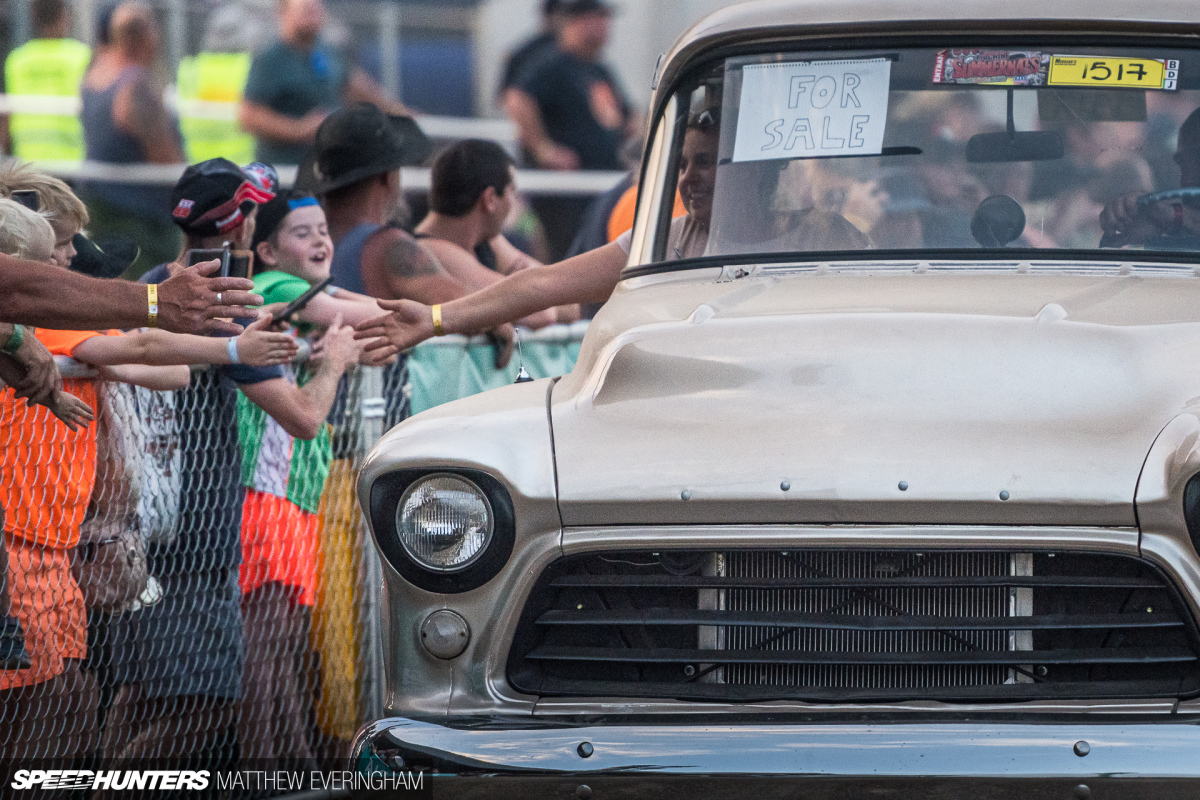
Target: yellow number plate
(1136, 73)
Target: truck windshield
(1066, 148)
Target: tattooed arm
(139, 111)
(395, 266)
(399, 267)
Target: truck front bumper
(620, 758)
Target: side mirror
(1005, 147)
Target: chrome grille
(824, 625)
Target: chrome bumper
(491, 757)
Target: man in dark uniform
(570, 112)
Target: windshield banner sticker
(812, 109)
(991, 67)
(1133, 73)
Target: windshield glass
(939, 149)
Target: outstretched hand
(408, 324)
(73, 412)
(41, 379)
(192, 301)
(338, 346)
(259, 346)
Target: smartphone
(234, 263)
(301, 301)
(241, 264)
(28, 198)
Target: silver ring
(219, 298)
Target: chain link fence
(171, 613)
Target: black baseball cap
(214, 196)
(575, 8)
(359, 141)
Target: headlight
(444, 522)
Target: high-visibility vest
(51, 67)
(214, 78)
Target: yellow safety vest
(214, 78)
(49, 67)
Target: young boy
(285, 479)
(294, 251)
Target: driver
(1123, 218)
(587, 278)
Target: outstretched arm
(33, 293)
(587, 278)
(475, 276)
(256, 347)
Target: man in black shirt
(533, 48)
(570, 112)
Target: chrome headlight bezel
(387, 493)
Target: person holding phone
(186, 699)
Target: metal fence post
(176, 34)
(373, 686)
(389, 48)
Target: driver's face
(698, 173)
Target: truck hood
(911, 399)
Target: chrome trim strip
(496, 746)
(567, 707)
(1122, 541)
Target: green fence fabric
(452, 367)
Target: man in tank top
(356, 170)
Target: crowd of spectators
(209, 653)
(569, 109)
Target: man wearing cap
(192, 644)
(570, 112)
(356, 170)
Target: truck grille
(823, 625)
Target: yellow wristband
(438, 330)
(152, 303)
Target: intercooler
(839, 625)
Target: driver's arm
(1125, 218)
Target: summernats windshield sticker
(812, 109)
(991, 67)
(1133, 73)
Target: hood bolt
(903, 486)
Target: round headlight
(444, 522)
